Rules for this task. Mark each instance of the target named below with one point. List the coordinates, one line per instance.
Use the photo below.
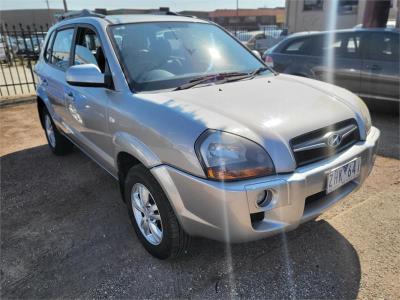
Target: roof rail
(79, 14)
(172, 13)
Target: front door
(87, 106)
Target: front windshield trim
(133, 85)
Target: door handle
(70, 96)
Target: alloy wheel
(146, 213)
(50, 131)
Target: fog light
(264, 198)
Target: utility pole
(65, 5)
(376, 13)
(237, 8)
(48, 11)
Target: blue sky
(175, 5)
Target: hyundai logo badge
(334, 140)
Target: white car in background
(260, 40)
(3, 54)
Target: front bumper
(222, 211)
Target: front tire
(58, 144)
(152, 216)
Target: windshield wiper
(224, 77)
(206, 78)
(250, 75)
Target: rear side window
(294, 47)
(353, 45)
(383, 46)
(61, 48)
(304, 46)
(47, 51)
(343, 45)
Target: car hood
(270, 110)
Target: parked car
(3, 54)
(26, 47)
(203, 138)
(260, 40)
(365, 61)
(389, 24)
(248, 38)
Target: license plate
(343, 174)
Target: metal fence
(19, 50)
(20, 47)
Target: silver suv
(204, 139)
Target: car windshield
(164, 55)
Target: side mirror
(256, 53)
(88, 75)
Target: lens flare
(214, 52)
(329, 42)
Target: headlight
(368, 125)
(366, 116)
(226, 156)
(368, 122)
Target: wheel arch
(40, 107)
(130, 151)
(42, 103)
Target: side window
(88, 49)
(260, 36)
(47, 51)
(345, 45)
(313, 5)
(304, 46)
(353, 45)
(294, 47)
(342, 45)
(61, 48)
(383, 46)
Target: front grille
(314, 146)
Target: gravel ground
(65, 233)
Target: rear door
(380, 74)
(340, 61)
(346, 62)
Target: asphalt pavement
(65, 233)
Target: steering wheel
(144, 67)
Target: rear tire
(162, 237)
(58, 144)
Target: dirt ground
(65, 233)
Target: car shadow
(65, 233)
(312, 262)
